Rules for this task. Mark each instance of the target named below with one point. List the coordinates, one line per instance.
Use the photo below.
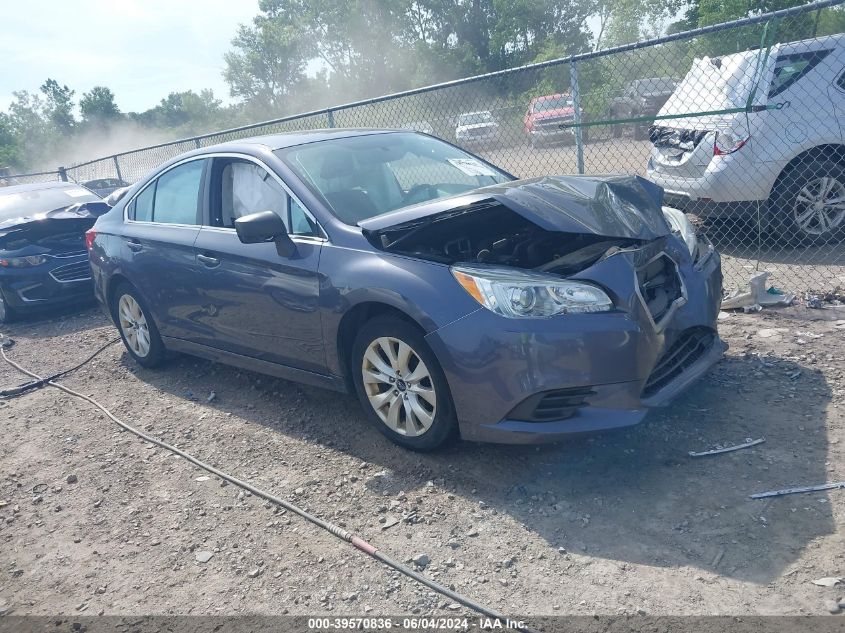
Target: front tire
(401, 386)
(808, 204)
(7, 315)
(137, 328)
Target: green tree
(9, 150)
(98, 106)
(268, 59)
(59, 106)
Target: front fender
(424, 291)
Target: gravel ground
(93, 520)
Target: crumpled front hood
(626, 207)
(16, 232)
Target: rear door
(162, 224)
(253, 301)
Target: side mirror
(265, 226)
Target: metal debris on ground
(756, 296)
(830, 581)
(727, 449)
(792, 491)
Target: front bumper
(552, 132)
(61, 281)
(494, 365)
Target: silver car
(778, 148)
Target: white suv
(784, 155)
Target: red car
(546, 117)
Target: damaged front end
(43, 260)
(610, 302)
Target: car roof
(39, 186)
(291, 139)
(811, 44)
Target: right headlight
(523, 294)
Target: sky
(141, 49)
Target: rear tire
(401, 386)
(136, 326)
(807, 206)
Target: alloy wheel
(820, 206)
(134, 325)
(399, 386)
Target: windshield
(474, 118)
(360, 177)
(553, 103)
(21, 204)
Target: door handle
(134, 245)
(209, 261)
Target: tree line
(297, 55)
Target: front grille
(554, 122)
(79, 271)
(692, 345)
(557, 404)
(660, 285)
(479, 131)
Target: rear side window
(143, 205)
(173, 198)
(790, 68)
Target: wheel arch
(826, 151)
(353, 320)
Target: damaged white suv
(778, 151)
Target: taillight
(90, 234)
(727, 143)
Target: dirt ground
(607, 524)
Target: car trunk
(683, 146)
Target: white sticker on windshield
(472, 167)
(77, 193)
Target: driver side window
(244, 188)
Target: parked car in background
(43, 261)
(476, 128)
(641, 98)
(104, 186)
(449, 296)
(549, 120)
(419, 126)
(784, 158)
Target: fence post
(576, 102)
(117, 168)
(330, 114)
(62, 174)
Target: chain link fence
(742, 123)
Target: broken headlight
(22, 262)
(523, 294)
(682, 226)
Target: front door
(253, 301)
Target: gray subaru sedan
(452, 298)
